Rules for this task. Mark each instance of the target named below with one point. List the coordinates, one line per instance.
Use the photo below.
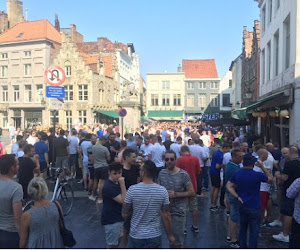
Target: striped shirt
(147, 201)
(293, 192)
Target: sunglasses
(169, 159)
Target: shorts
(92, 173)
(101, 173)
(264, 197)
(178, 227)
(62, 161)
(215, 180)
(86, 168)
(193, 205)
(43, 166)
(234, 208)
(113, 232)
(72, 160)
(287, 206)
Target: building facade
(25, 52)
(226, 95)
(12, 16)
(165, 95)
(236, 69)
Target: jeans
(144, 243)
(251, 218)
(9, 239)
(295, 235)
(202, 178)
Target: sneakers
(214, 209)
(281, 237)
(195, 229)
(228, 239)
(264, 225)
(99, 201)
(276, 223)
(234, 245)
(184, 232)
(92, 198)
(227, 213)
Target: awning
(110, 113)
(227, 122)
(165, 113)
(239, 113)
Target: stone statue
(129, 91)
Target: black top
(167, 144)
(61, 145)
(131, 175)
(26, 167)
(292, 170)
(116, 146)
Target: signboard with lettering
(210, 116)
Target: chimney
(179, 68)
(57, 26)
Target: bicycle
(63, 193)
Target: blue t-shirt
(217, 158)
(112, 210)
(230, 169)
(41, 148)
(163, 135)
(100, 133)
(248, 186)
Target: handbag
(66, 234)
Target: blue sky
(163, 31)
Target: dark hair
(115, 166)
(217, 141)
(6, 163)
(197, 141)
(61, 132)
(234, 152)
(118, 134)
(28, 148)
(149, 169)
(74, 131)
(159, 139)
(19, 137)
(236, 144)
(170, 152)
(88, 136)
(225, 145)
(123, 143)
(112, 133)
(258, 147)
(44, 136)
(179, 138)
(184, 149)
(127, 152)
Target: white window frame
(39, 93)
(83, 92)
(214, 100)
(4, 93)
(189, 85)
(177, 100)
(27, 69)
(189, 100)
(202, 100)
(16, 93)
(214, 85)
(29, 93)
(69, 93)
(4, 55)
(4, 71)
(68, 71)
(202, 85)
(165, 100)
(154, 100)
(68, 118)
(165, 85)
(27, 53)
(82, 116)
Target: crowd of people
(150, 177)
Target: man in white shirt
(146, 149)
(73, 146)
(205, 138)
(157, 152)
(202, 181)
(176, 146)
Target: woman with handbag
(41, 225)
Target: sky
(163, 31)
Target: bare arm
(126, 210)
(188, 193)
(17, 210)
(166, 218)
(266, 172)
(121, 197)
(149, 157)
(232, 190)
(24, 229)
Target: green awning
(240, 113)
(112, 113)
(165, 113)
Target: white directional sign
(56, 104)
(55, 76)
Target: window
(68, 118)
(16, 93)
(39, 93)
(263, 66)
(165, 85)
(226, 100)
(190, 85)
(82, 92)
(214, 85)
(27, 69)
(154, 99)
(68, 92)
(263, 19)
(27, 53)
(202, 85)
(4, 70)
(269, 61)
(276, 53)
(230, 83)
(4, 121)
(287, 37)
(191, 100)
(165, 100)
(202, 100)
(28, 93)
(177, 100)
(82, 116)
(214, 102)
(52, 117)
(4, 55)
(4, 93)
(68, 70)
(270, 10)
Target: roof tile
(199, 68)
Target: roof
(33, 30)
(200, 68)
(89, 59)
(108, 61)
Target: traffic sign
(122, 112)
(55, 92)
(56, 104)
(55, 75)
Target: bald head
(293, 152)
(270, 146)
(285, 152)
(262, 154)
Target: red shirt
(191, 165)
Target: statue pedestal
(132, 121)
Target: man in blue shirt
(42, 150)
(244, 185)
(215, 169)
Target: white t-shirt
(206, 140)
(198, 151)
(157, 152)
(73, 144)
(147, 150)
(176, 148)
(207, 155)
